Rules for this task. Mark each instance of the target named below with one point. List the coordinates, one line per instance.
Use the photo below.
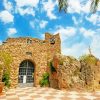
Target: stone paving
(37, 93)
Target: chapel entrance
(26, 72)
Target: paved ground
(33, 93)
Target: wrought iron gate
(26, 71)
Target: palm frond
(63, 5)
(94, 5)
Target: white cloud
(29, 7)
(26, 11)
(11, 31)
(8, 5)
(42, 36)
(74, 6)
(87, 32)
(75, 20)
(43, 24)
(0, 42)
(32, 24)
(49, 7)
(80, 6)
(95, 47)
(98, 9)
(6, 17)
(85, 7)
(22, 3)
(76, 50)
(94, 18)
(65, 32)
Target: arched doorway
(26, 71)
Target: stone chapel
(30, 56)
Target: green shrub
(6, 79)
(7, 60)
(61, 62)
(45, 80)
(88, 59)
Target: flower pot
(1, 86)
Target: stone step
(22, 85)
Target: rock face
(86, 75)
(73, 74)
(68, 71)
(36, 51)
(90, 73)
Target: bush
(7, 60)
(6, 79)
(89, 59)
(61, 62)
(45, 80)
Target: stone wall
(52, 48)
(35, 50)
(74, 74)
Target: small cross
(90, 50)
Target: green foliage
(45, 80)
(61, 62)
(88, 59)
(6, 59)
(52, 68)
(6, 79)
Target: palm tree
(94, 5)
(63, 5)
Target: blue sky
(78, 29)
